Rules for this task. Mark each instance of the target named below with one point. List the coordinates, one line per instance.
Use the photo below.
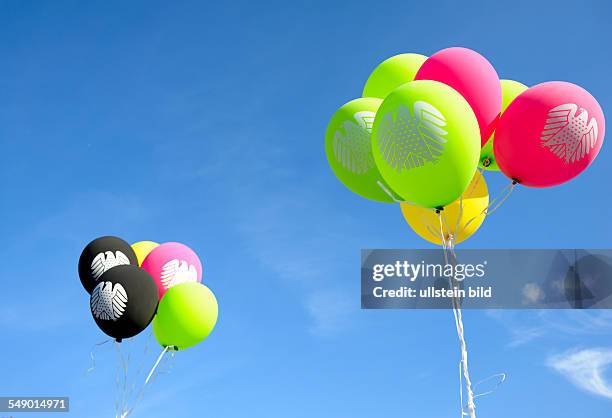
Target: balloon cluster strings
(141, 365)
(495, 204)
(127, 400)
(448, 247)
(155, 371)
(127, 397)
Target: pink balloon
(473, 77)
(549, 134)
(172, 263)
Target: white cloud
(586, 369)
(552, 322)
(532, 293)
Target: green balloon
(186, 315)
(426, 143)
(349, 149)
(392, 73)
(510, 90)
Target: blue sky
(203, 123)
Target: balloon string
(92, 367)
(450, 238)
(502, 379)
(427, 225)
(469, 193)
(456, 230)
(159, 358)
(503, 199)
(121, 384)
(448, 247)
(425, 222)
(430, 228)
(141, 364)
(471, 406)
(140, 393)
(481, 176)
(463, 364)
(442, 235)
(118, 413)
(388, 192)
(393, 197)
(126, 366)
(494, 204)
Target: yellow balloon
(142, 249)
(460, 219)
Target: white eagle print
(352, 146)
(568, 133)
(105, 261)
(108, 302)
(413, 138)
(178, 271)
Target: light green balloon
(186, 315)
(392, 73)
(349, 149)
(426, 143)
(510, 90)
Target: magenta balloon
(473, 77)
(549, 134)
(172, 263)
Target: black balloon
(124, 301)
(100, 255)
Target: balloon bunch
(425, 124)
(131, 286)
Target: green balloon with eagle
(426, 143)
(349, 150)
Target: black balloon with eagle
(102, 254)
(124, 301)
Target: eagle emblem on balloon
(412, 138)
(178, 271)
(108, 301)
(352, 143)
(107, 260)
(569, 133)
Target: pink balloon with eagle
(549, 134)
(172, 263)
